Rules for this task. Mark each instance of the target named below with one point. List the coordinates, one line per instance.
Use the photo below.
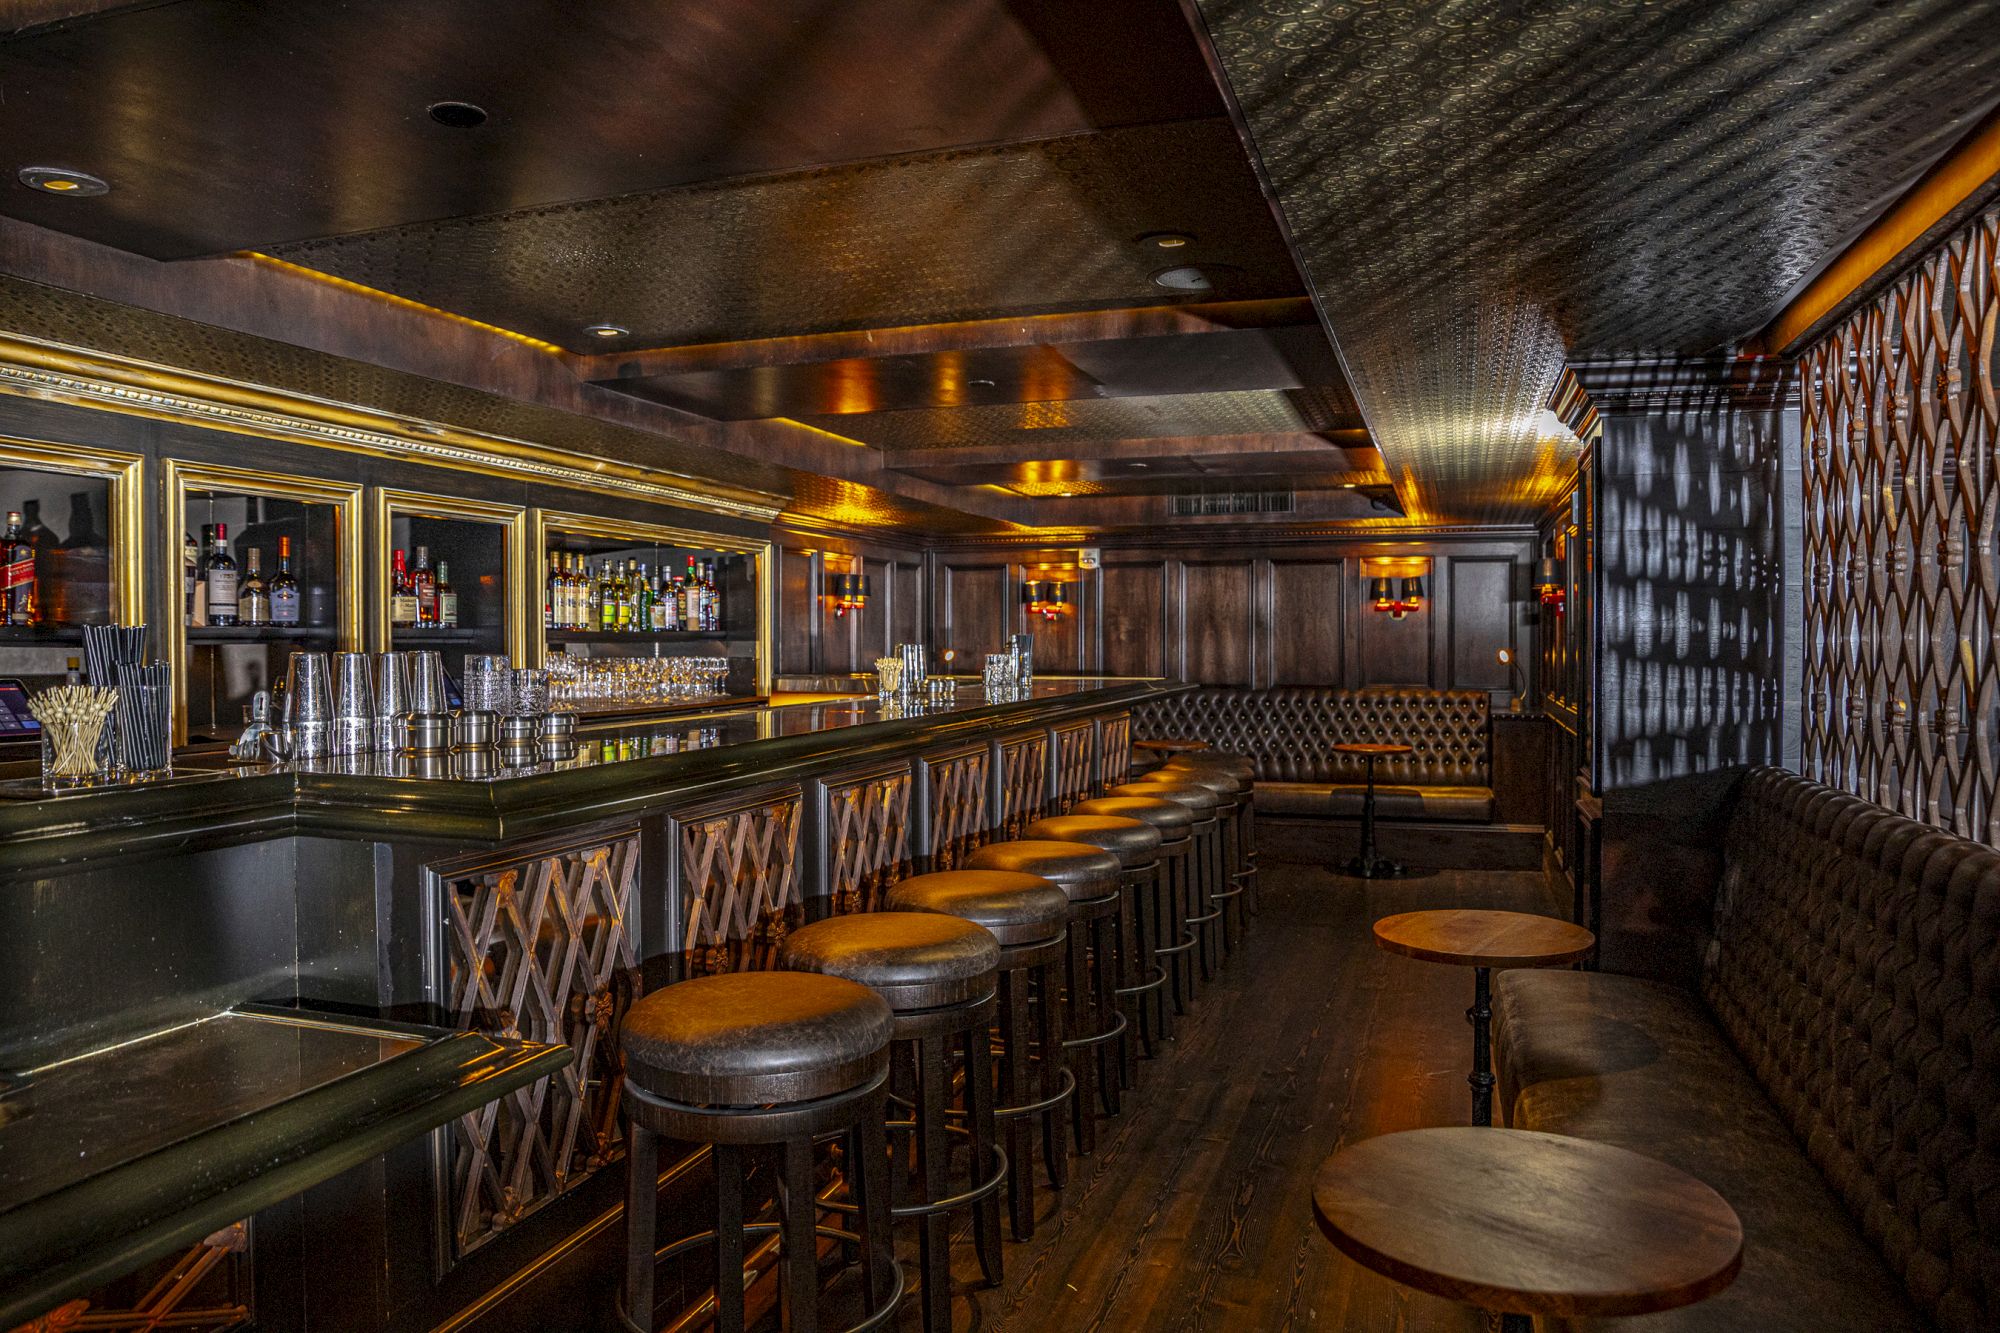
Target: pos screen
(15, 719)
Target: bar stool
(1241, 766)
(1136, 976)
(1234, 794)
(1203, 911)
(1172, 937)
(1088, 877)
(1026, 914)
(748, 1060)
(940, 975)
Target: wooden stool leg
(728, 1166)
(979, 1118)
(1077, 989)
(934, 1165)
(798, 1293)
(868, 1185)
(1104, 958)
(642, 1209)
(1014, 1080)
(1050, 1026)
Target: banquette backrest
(1290, 732)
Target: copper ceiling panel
(1479, 190)
(240, 124)
(923, 239)
(1054, 424)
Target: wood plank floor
(1195, 1213)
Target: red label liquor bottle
(402, 597)
(423, 580)
(17, 574)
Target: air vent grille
(1233, 502)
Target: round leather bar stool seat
(753, 1038)
(1234, 764)
(1224, 784)
(1133, 840)
(1081, 871)
(1202, 801)
(914, 960)
(1171, 744)
(1170, 817)
(1017, 908)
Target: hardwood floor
(1195, 1212)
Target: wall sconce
(849, 592)
(1045, 598)
(1518, 680)
(1548, 585)
(1402, 574)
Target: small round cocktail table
(1368, 865)
(1482, 941)
(1528, 1224)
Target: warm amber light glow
(390, 298)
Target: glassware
(531, 692)
(489, 683)
(888, 676)
(353, 704)
(145, 716)
(73, 717)
(427, 692)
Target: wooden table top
(1528, 1223)
(1473, 938)
(1372, 747)
(1171, 745)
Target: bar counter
(528, 903)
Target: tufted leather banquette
(1290, 732)
(1837, 1079)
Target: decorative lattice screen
(1902, 502)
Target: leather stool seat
(1220, 781)
(751, 1038)
(1234, 764)
(1202, 801)
(914, 960)
(1171, 817)
(1133, 840)
(1080, 870)
(1017, 908)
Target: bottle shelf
(474, 634)
(644, 636)
(260, 633)
(57, 634)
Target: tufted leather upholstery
(1289, 734)
(1854, 969)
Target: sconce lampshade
(1378, 590)
(1413, 592)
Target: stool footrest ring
(1049, 1103)
(875, 1318)
(1152, 983)
(1111, 1033)
(1205, 917)
(985, 1188)
(1188, 941)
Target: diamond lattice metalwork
(867, 836)
(1902, 543)
(739, 879)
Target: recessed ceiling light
(458, 115)
(1346, 485)
(1065, 495)
(606, 330)
(979, 384)
(61, 180)
(1165, 240)
(1187, 278)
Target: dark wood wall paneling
(811, 639)
(1563, 675)
(1254, 614)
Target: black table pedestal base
(1480, 1015)
(1370, 865)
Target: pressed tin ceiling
(1480, 190)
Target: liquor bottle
(447, 598)
(402, 597)
(253, 597)
(579, 594)
(218, 577)
(711, 598)
(17, 574)
(423, 581)
(625, 599)
(666, 611)
(607, 599)
(190, 569)
(284, 587)
(691, 598)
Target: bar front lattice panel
(1902, 543)
(541, 948)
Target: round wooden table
(1482, 941)
(1528, 1224)
(1368, 865)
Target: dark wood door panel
(975, 611)
(1307, 599)
(1219, 613)
(1395, 652)
(798, 606)
(1135, 610)
(1481, 623)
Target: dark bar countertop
(618, 766)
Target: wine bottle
(190, 571)
(17, 574)
(711, 598)
(447, 598)
(218, 577)
(607, 599)
(253, 597)
(284, 587)
(402, 596)
(691, 598)
(423, 581)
